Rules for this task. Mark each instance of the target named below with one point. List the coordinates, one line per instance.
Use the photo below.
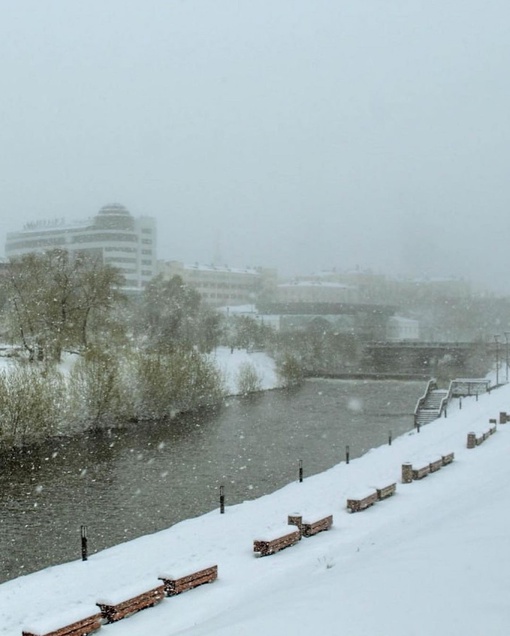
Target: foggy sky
(297, 134)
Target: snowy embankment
(432, 559)
(230, 363)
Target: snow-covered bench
(384, 492)
(127, 601)
(448, 458)
(476, 438)
(436, 464)
(411, 472)
(362, 500)
(421, 471)
(177, 582)
(276, 540)
(312, 524)
(73, 622)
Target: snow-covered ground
(231, 362)
(432, 559)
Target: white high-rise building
(114, 235)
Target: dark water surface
(143, 478)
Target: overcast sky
(297, 134)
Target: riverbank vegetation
(133, 359)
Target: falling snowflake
(355, 404)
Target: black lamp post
(496, 340)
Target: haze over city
(291, 134)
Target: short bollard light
(222, 500)
(84, 548)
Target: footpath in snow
(432, 559)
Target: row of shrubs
(101, 390)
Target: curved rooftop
(114, 216)
(114, 209)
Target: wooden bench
(448, 458)
(386, 491)
(362, 501)
(76, 623)
(475, 439)
(276, 540)
(436, 464)
(178, 582)
(422, 471)
(310, 528)
(114, 608)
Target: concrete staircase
(431, 408)
(435, 401)
(430, 405)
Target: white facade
(220, 286)
(113, 235)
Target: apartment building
(221, 286)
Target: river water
(128, 482)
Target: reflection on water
(144, 478)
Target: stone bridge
(429, 358)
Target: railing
(443, 407)
(454, 390)
(470, 383)
(431, 386)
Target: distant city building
(400, 328)
(221, 286)
(371, 288)
(113, 235)
(429, 290)
(316, 291)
